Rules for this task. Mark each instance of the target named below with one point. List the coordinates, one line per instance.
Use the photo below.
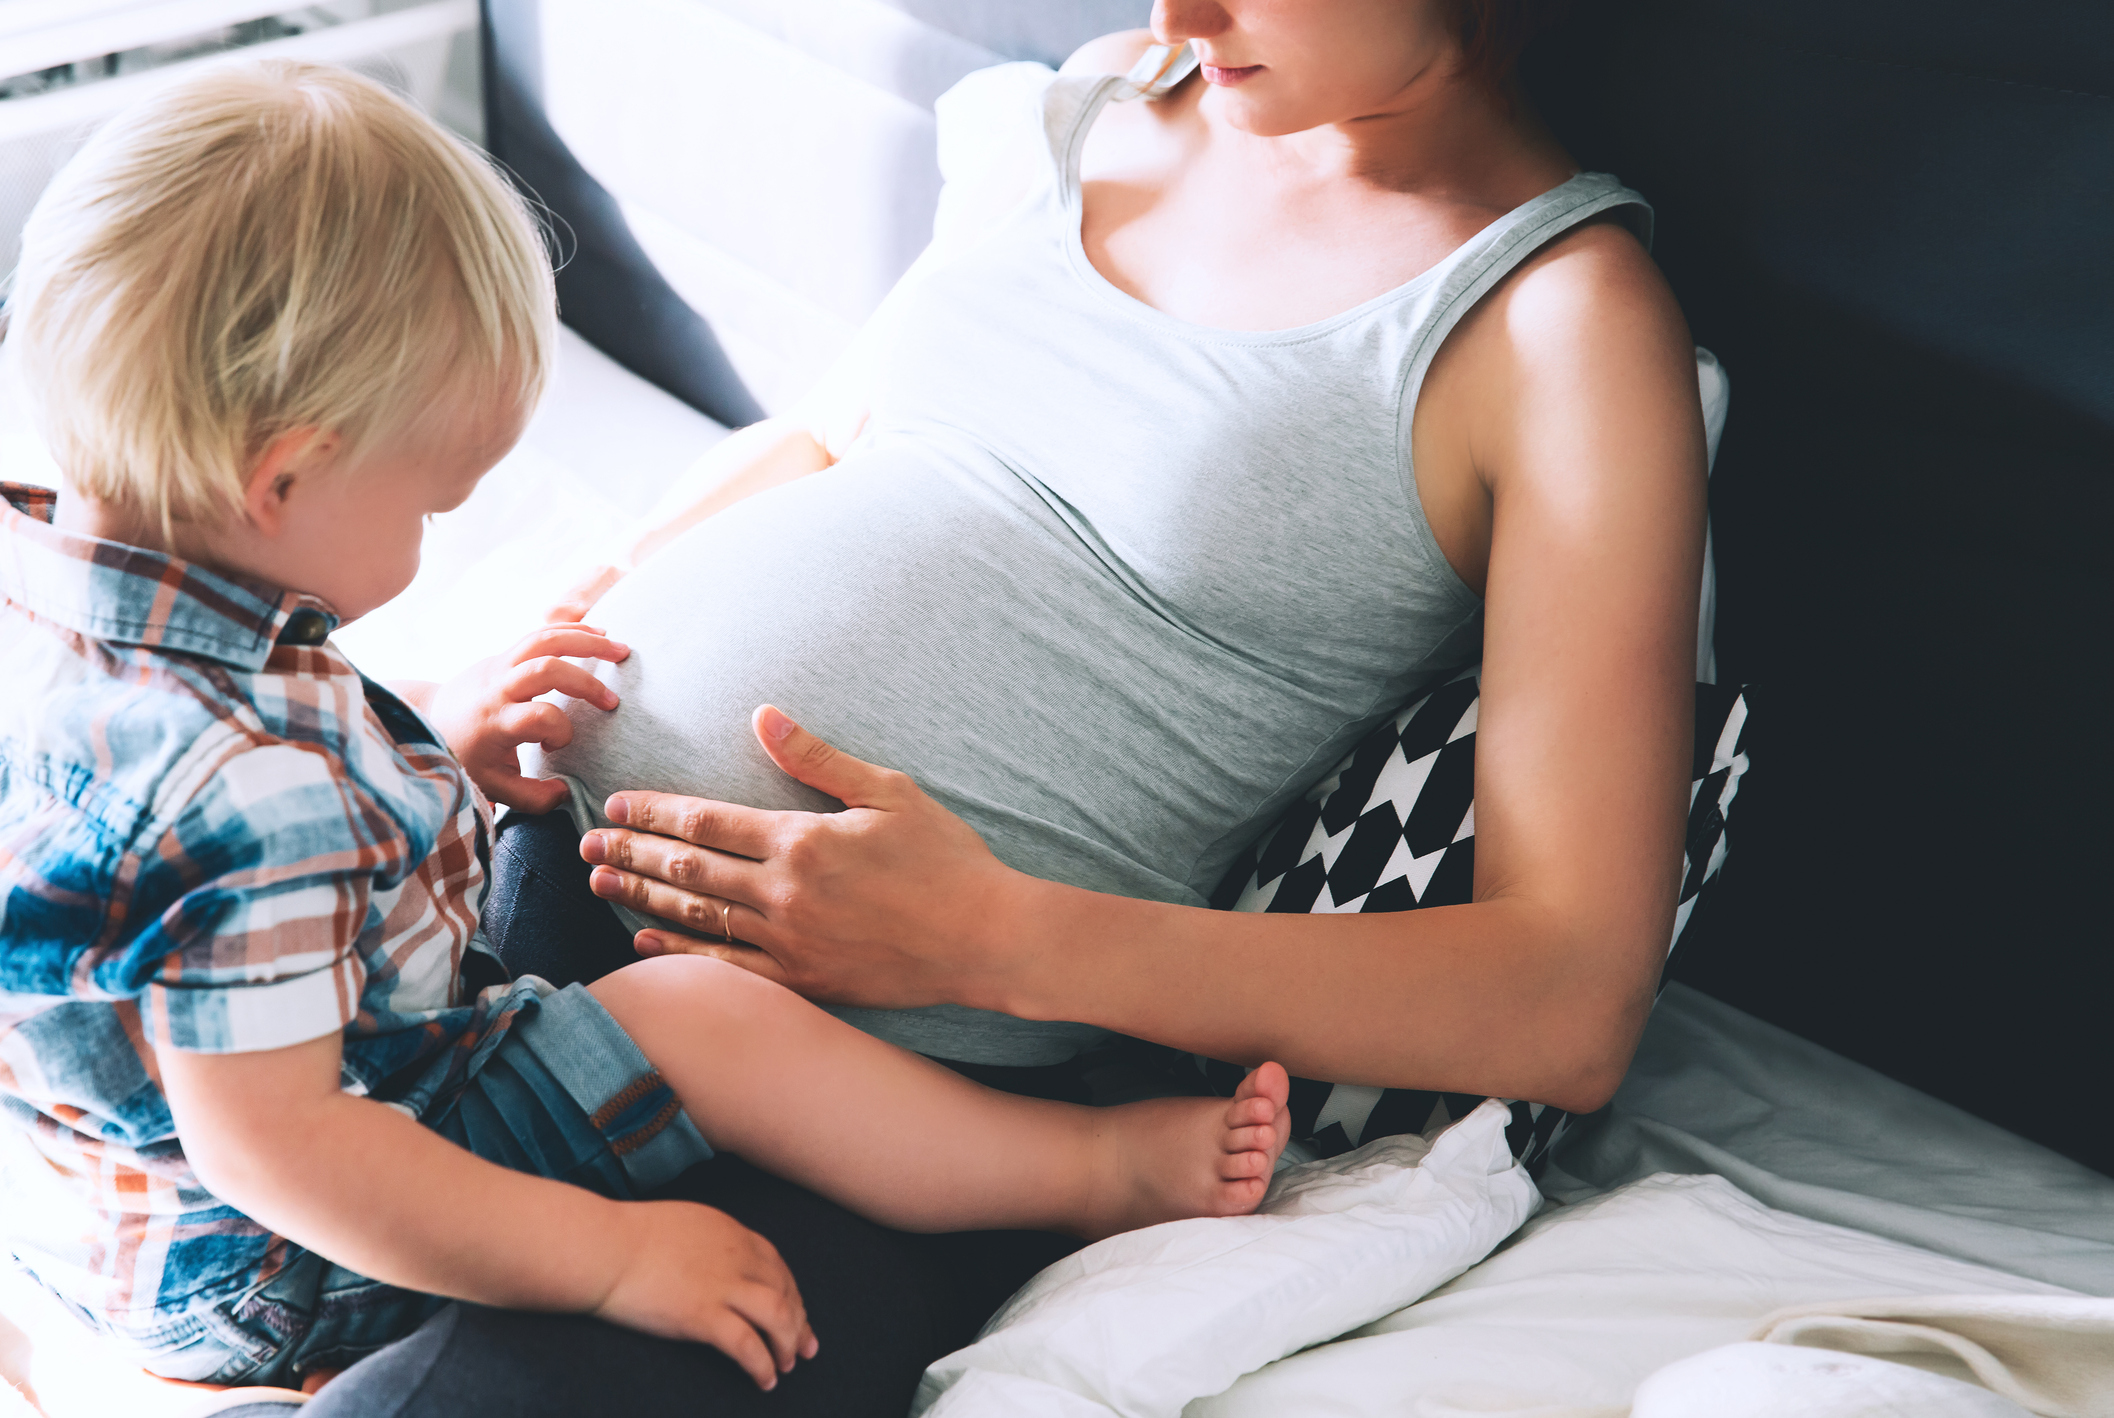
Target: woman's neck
(1443, 134)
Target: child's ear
(289, 463)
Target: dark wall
(1894, 222)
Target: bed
(1875, 1073)
(1786, 1127)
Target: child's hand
(696, 1273)
(489, 710)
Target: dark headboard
(1894, 223)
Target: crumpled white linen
(1773, 1380)
(2049, 1354)
(1589, 1300)
(1141, 1323)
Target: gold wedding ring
(726, 920)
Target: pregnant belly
(938, 618)
(916, 617)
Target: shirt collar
(129, 595)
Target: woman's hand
(577, 599)
(888, 904)
(489, 710)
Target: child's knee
(691, 989)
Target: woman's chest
(1223, 240)
(1198, 465)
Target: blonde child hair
(267, 247)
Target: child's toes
(1239, 1166)
(1266, 1081)
(1260, 1137)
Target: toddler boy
(255, 1113)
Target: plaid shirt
(217, 836)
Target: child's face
(350, 533)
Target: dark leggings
(884, 1303)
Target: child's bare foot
(1173, 1158)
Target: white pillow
(1142, 1323)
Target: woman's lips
(1229, 77)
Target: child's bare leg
(895, 1137)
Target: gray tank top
(1113, 587)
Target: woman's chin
(1243, 108)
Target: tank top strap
(1069, 106)
(1483, 261)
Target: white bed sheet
(1659, 1245)
(1714, 1090)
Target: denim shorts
(564, 1094)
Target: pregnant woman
(1212, 429)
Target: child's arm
(492, 708)
(356, 1181)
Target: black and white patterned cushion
(1393, 829)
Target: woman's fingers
(579, 598)
(695, 903)
(825, 767)
(756, 961)
(676, 864)
(545, 673)
(724, 827)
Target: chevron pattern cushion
(1393, 829)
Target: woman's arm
(822, 426)
(744, 463)
(1573, 407)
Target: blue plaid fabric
(215, 835)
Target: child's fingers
(579, 641)
(546, 673)
(776, 1317)
(535, 722)
(530, 795)
(732, 1335)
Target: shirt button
(305, 627)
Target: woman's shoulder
(1595, 271)
(1591, 303)
(1586, 323)
(1110, 54)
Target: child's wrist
(593, 1247)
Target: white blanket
(1141, 1323)
(1648, 1294)
(1590, 1299)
